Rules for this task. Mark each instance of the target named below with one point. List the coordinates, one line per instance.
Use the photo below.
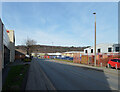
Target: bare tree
(29, 43)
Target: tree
(29, 43)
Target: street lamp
(95, 41)
(52, 46)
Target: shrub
(27, 60)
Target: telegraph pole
(95, 42)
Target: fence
(76, 58)
(101, 59)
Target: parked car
(112, 63)
(66, 58)
(71, 58)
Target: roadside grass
(27, 60)
(15, 77)
(63, 60)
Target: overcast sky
(64, 24)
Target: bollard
(108, 66)
(101, 64)
(116, 66)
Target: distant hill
(50, 49)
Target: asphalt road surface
(68, 77)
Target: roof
(18, 53)
(100, 44)
(74, 52)
(54, 53)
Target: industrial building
(19, 54)
(103, 48)
(1, 45)
(57, 54)
(104, 52)
(12, 44)
(71, 53)
(7, 48)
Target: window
(109, 49)
(114, 60)
(85, 51)
(91, 50)
(119, 60)
(98, 50)
(117, 49)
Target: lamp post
(52, 47)
(95, 41)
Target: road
(68, 77)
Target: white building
(103, 48)
(49, 54)
(54, 54)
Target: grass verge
(15, 77)
(27, 60)
(63, 60)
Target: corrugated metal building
(1, 44)
(7, 45)
(71, 53)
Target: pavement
(4, 74)
(37, 79)
(18, 62)
(64, 76)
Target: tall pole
(95, 42)
(52, 46)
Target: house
(103, 48)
